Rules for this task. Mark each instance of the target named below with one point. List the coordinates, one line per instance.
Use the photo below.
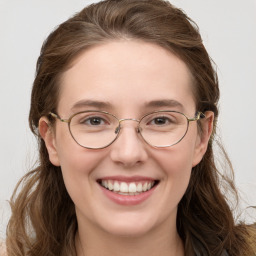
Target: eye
(161, 120)
(94, 121)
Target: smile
(127, 188)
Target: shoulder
(3, 249)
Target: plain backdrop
(228, 29)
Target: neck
(157, 242)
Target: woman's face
(128, 79)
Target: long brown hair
(43, 220)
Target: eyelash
(89, 119)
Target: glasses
(99, 129)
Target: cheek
(77, 163)
(73, 158)
(176, 162)
(177, 169)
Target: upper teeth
(125, 187)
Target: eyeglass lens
(99, 129)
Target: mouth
(131, 188)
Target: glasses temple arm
(56, 116)
(198, 116)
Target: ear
(203, 137)
(47, 133)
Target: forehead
(126, 75)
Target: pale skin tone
(2, 249)
(127, 75)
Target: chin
(131, 227)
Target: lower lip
(128, 200)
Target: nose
(129, 149)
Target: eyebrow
(165, 103)
(91, 103)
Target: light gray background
(228, 28)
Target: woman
(124, 105)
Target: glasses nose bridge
(127, 119)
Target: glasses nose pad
(117, 130)
(138, 129)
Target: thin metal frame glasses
(99, 129)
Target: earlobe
(47, 134)
(203, 137)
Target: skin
(3, 249)
(128, 75)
